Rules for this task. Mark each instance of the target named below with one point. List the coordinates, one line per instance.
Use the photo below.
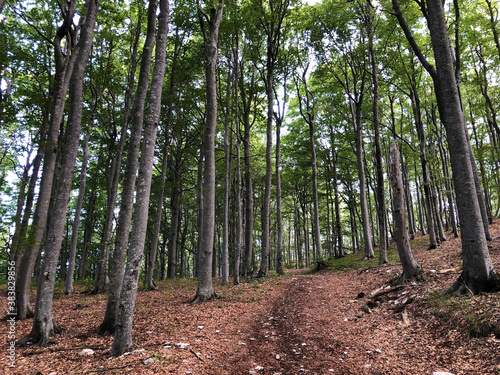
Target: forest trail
(301, 323)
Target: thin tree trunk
(433, 243)
(238, 198)
(411, 269)
(380, 193)
(172, 266)
(207, 231)
(125, 215)
(227, 183)
(68, 286)
(249, 205)
(365, 217)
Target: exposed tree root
(199, 298)
(466, 285)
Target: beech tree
(63, 71)
(411, 269)
(44, 325)
(205, 289)
(478, 273)
(123, 329)
(125, 216)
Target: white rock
(182, 345)
(201, 327)
(378, 351)
(441, 373)
(86, 352)
(259, 368)
(149, 361)
(278, 357)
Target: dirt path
(316, 326)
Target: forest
(227, 141)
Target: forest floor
(346, 320)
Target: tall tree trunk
(123, 330)
(238, 197)
(153, 250)
(307, 110)
(64, 68)
(380, 191)
(205, 289)
(87, 235)
(149, 284)
(227, 183)
(125, 215)
(411, 269)
(279, 218)
(127, 200)
(266, 205)
(172, 267)
(478, 273)
(249, 206)
(68, 285)
(415, 100)
(365, 217)
(43, 321)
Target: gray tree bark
(411, 269)
(205, 286)
(380, 191)
(478, 273)
(123, 334)
(125, 216)
(238, 197)
(64, 68)
(112, 184)
(307, 110)
(43, 321)
(68, 285)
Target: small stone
(367, 365)
(86, 352)
(378, 351)
(200, 327)
(259, 368)
(441, 373)
(278, 357)
(182, 345)
(52, 373)
(149, 361)
(241, 343)
(366, 309)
